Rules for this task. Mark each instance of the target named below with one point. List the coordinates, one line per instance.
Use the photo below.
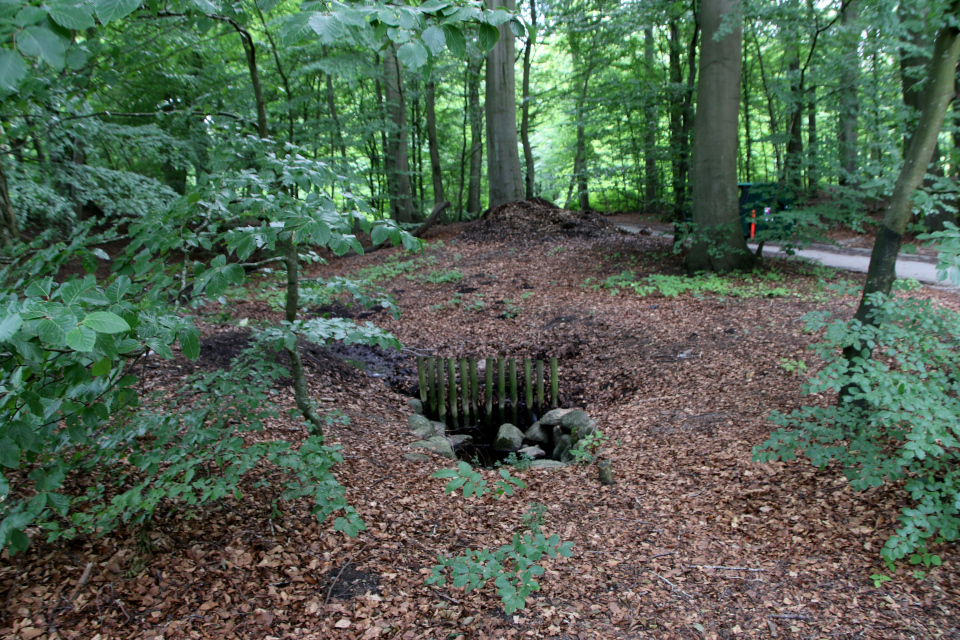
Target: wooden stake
(554, 384)
(452, 382)
(540, 410)
(488, 389)
(422, 375)
(528, 384)
(512, 365)
(501, 385)
(474, 388)
(441, 395)
(465, 389)
(431, 388)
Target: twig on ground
(790, 616)
(660, 555)
(392, 475)
(673, 586)
(84, 578)
(446, 597)
(340, 573)
(716, 566)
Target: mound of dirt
(537, 217)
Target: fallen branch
(84, 579)
(712, 566)
(673, 586)
(790, 616)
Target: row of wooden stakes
(439, 388)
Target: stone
(552, 418)
(576, 419)
(421, 426)
(416, 405)
(537, 434)
(556, 433)
(436, 444)
(459, 440)
(605, 472)
(562, 448)
(439, 428)
(546, 464)
(509, 438)
(417, 457)
(534, 452)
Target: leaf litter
(693, 541)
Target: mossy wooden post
(422, 375)
(554, 384)
(512, 365)
(431, 388)
(501, 386)
(540, 410)
(488, 389)
(465, 389)
(528, 384)
(474, 388)
(452, 382)
(441, 395)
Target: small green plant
(455, 301)
(510, 309)
(525, 295)
(520, 463)
(471, 481)
(535, 517)
(919, 575)
(879, 579)
(477, 304)
(441, 276)
(672, 286)
(798, 367)
(588, 447)
(557, 249)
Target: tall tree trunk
(771, 112)
(504, 176)
(813, 175)
(476, 139)
(579, 177)
(530, 177)
(283, 76)
(747, 135)
(332, 110)
(386, 165)
(435, 168)
(849, 93)
(650, 118)
(793, 162)
(938, 95)
(9, 228)
(686, 116)
(718, 244)
(398, 164)
(676, 114)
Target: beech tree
(718, 243)
(503, 155)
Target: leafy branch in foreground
(513, 566)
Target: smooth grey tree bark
(504, 175)
(397, 160)
(718, 242)
(476, 137)
(849, 93)
(650, 118)
(530, 176)
(434, 144)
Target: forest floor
(693, 541)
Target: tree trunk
(432, 142)
(849, 93)
(684, 116)
(9, 228)
(793, 162)
(476, 139)
(676, 115)
(938, 95)
(747, 135)
(718, 244)
(650, 118)
(398, 164)
(579, 177)
(530, 177)
(813, 175)
(504, 176)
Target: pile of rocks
(548, 441)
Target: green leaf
(234, 273)
(488, 37)
(12, 69)
(117, 289)
(29, 15)
(413, 55)
(54, 331)
(106, 322)
(434, 38)
(101, 368)
(72, 15)
(25, 437)
(445, 473)
(9, 326)
(456, 42)
(77, 57)
(110, 10)
(9, 453)
(267, 5)
(59, 503)
(41, 42)
(81, 338)
(189, 343)
(206, 6)
(329, 28)
(39, 288)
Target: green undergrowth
(755, 285)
